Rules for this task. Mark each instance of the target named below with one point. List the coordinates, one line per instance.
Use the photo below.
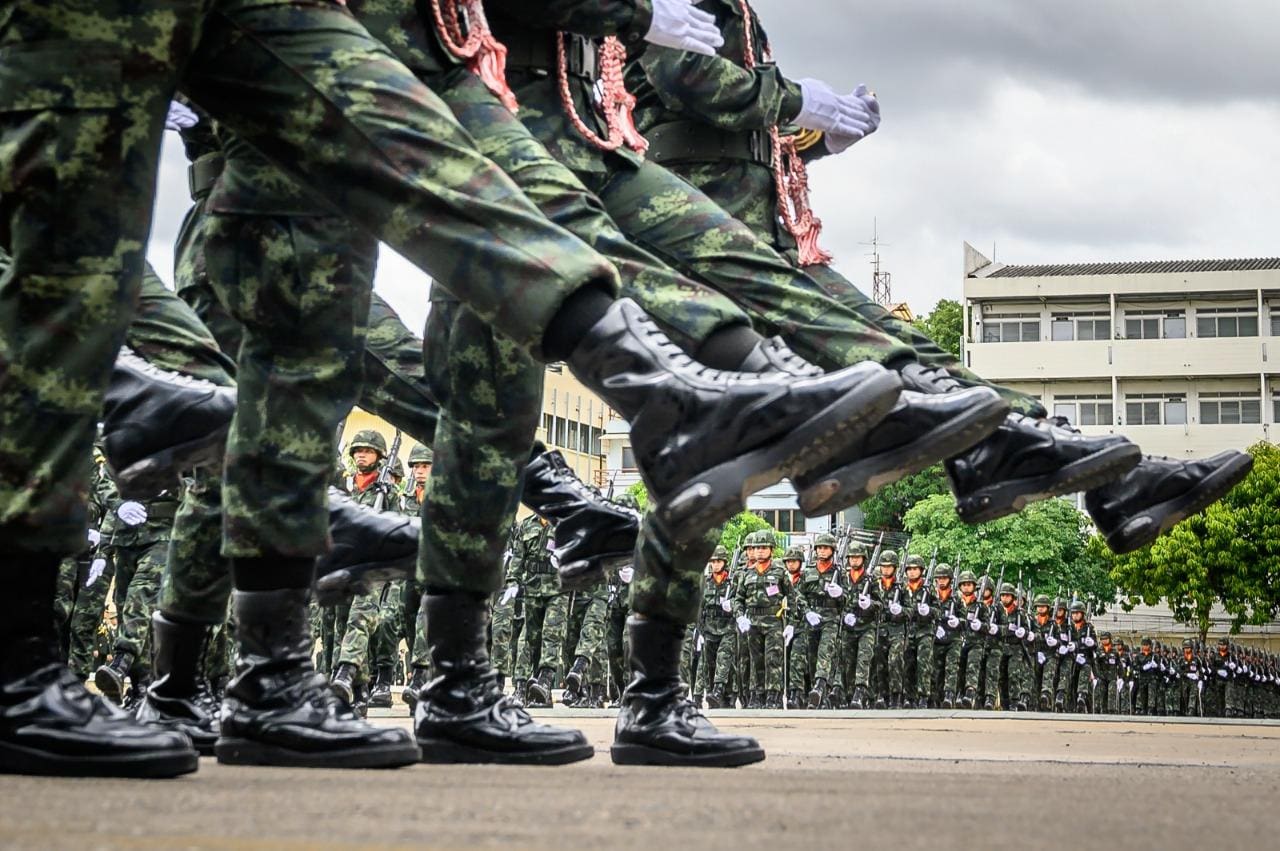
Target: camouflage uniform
(921, 605)
(948, 642)
(891, 635)
(92, 579)
(763, 595)
(508, 613)
(858, 637)
(716, 626)
(822, 592)
(139, 551)
(1012, 683)
(1106, 692)
(545, 605)
(616, 639)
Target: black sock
(272, 573)
(576, 316)
(728, 347)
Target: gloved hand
(1051, 641)
(813, 618)
(132, 513)
(1193, 676)
(838, 143)
(1040, 657)
(922, 610)
(96, 569)
(725, 605)
(743, 623)
(993, 629)
(975, 625)
(864, 601)
(1079, 658)
(834, 590)
(1071, 647)
(678, 24)
(180, 117)
(1062, 650)
(626, 574)
(509, 594)
(701, 641)
(823, 109)
(895, 609)
(95, 537)
(939, 633)
(850, 619)
(1222, 673)
(953, 622)
(1020, 632)
(1088, 641)
(788, 633)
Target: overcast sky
(1059, 132)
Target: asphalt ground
(924, 780)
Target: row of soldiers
(805, 633)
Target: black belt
(536, 51)
(203, 173)
(690, 141)
(762, 610)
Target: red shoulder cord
(486, 57)
(616, 102)
(789, 175)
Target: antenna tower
(881, 287)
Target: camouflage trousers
(718, 646)
(85, 622)
(137, 591)
(1190, 697)
(766, 647)
(545, 619)
(800, 653)
(367, 619)
(917, 665)
(982, 669)
(64, 599)
(857, 658)
(891, 657)
(822, 653)
(946, 668)
(1106, 696)
(507, 621)
(617, 644)
(1015, 677)
(590, 631)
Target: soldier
(414, 634)
(1083, 644)
(858, 647)
(507, 620)
(921, 604)
(716, 626)
(1042, 658)
(986, 656)
(1057, 653)
(85, 620)
(819, 604)
(1192, 679)
(799, 654)
(545, 613)
(1012, 678)
(762, 598)
(1146, 672)
(948, 640)
(891, 634)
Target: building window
(782, 520)
(1275, 410)
(1159, 325)
(1230, 408)
(1087, 410)
(1226, 322)
(1011, 328)
(1081, 326)
(1155, 409)
(1275, 322)
(628, 458)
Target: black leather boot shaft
(368, 547)
(156, 423)
(462, 715)
(657, 723)
(179, 698)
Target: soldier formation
(620, 187)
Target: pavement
(832, 780)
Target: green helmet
(966, 576)
(421, 455)
(720, 553)
(1105, 636)
(397, 468)
(826, 539)
(889, 557)
(857, 549)
(1043, 600)
(1146, 642)
(1007, 588)
(760, 538)
(915, 561)
(368, 439)
(1078, 606)
(942, 571)
(628, 499)
(1187, 642)
(793, 554)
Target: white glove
(701, 641)
(180, 117)
(850, 619)
(813, 618)
(788, 633)
(895, 609)
(1040, 657)
(1020, 632)
(1193, 676)
(96, 569)
(1088, 641)
(676, 23)
(132, 513)
(95, 537)
(1119, 685)
(1148, 666)
(509, 594)
(993, 629)
(1071, 647)
(939, 633)
(923, 610)
(1062, 650)
(834, 590)
(838, 143)
(1222, 673)
(823, 109)
(743, 623)
(725, 605)
(864, 601)
(626, 574)
(953, 622)
(1079, 658)
(975, 625)
(1050, 641)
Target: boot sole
(645, 755)
(1093, 471)
(585, 574)
(343, 584)
(107, 684)
(234, 751)
(719, 493)
(157, 764)
(861, 480)
(1153, 522)
(159, 471)
(443, 751)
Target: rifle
(995, 597)
(383, 484)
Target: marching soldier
(717, 629)
(1110, 684)
(1014, 678)
(1146, 673)
(1083, 645)
(948, 640)
(919, 601)
(858, 646)
(545, 612)
(1042, 657)
(821, 600)
(1191, 676)
(891, 637)
(762, 598)
(799, 649)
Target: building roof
(1142, 267)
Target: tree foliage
(945, 325)
(737, 528)
(890, 505)
(1228, 554)
(1047, 543)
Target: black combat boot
(417, 681)
(1082, 705)
(658, 724)
(520, 696)
(908, 703)
(1060, 701)
(970, 699)
(818, 693)
(573, 681)
(110, 678)
(461, 715)
(368, 547)
(921, 430)
(1045, 701)
(948, 699)
(156, 423)
(773, 700)
(716, 697)
(278, 710)
(989, 704)
(858, 700)
(540, 686)
(835, 699)
(1027, 460)
(592, 534)
(880, 703)
(1158, 494)
(179, 697)
(343, 682)
(698, 698)
(380, 691)
(705, 439)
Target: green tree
(890, 505)
(1228, 554)
(945, 325)
(1047, 544)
